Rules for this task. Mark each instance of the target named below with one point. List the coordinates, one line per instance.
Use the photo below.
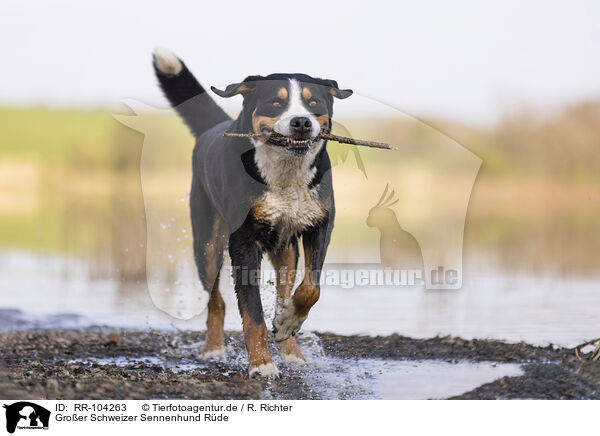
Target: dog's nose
(301, 127)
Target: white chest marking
(289, 204)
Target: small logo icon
(26, 415)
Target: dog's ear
(341, 93)
(248, 85)
(335, 90)
(233, 89)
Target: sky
(467, 61)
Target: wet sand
(104, 364)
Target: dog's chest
(289, 205)
(291, 210)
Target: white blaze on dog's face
(298, 121)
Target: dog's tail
(198, 110)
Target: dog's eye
(313, 103)
(276, 103)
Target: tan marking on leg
(295, 309)
(259, 358)
(285, 269)
(290, 351)
(307, 294)
(305, 297)
(284, 263)
(215, 343)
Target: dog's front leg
(245, 258)
(285, 262)
(295, 309)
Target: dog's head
(288, 110)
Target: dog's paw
(214, 354)
(266, 370)
(293, 359)
(287, 323)
(166, 62)
(290, 352)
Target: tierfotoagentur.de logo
(26, 416)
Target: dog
(256, 196)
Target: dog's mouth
(299, 146)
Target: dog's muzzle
(296, 143)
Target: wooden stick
(590, 342)
(596, 353)
(322, 135)
(352, 141)
(243, 135)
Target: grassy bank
(71, 181)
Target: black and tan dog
(258, 196)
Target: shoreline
(73, 364)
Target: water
(332, 378)
(37, 293)
(534, 308)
